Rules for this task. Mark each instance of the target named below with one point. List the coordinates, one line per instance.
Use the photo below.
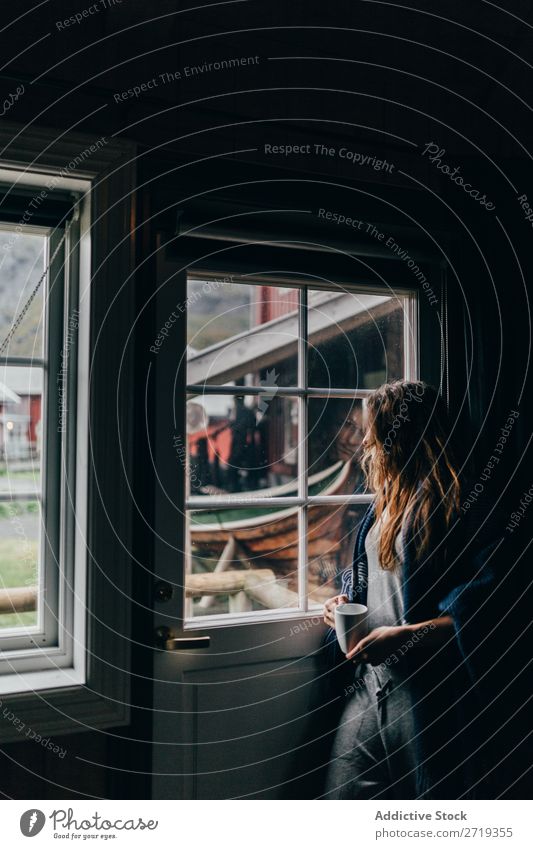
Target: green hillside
(21, 264)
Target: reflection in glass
(246, 558)
(241, 334)
(355, 340)
(336, 434)
(331, 538)
(242, 559)
(241, 444)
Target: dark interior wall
(383, 80)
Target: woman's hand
(380, 644)
(329, 609)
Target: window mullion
(50, 577)
(302, 448)
(410, 337)
(281, 391)
(22, 361)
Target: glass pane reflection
(355, 340)
(331, 538)
(241, 445)
(242, 559)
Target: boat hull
(277, 540)
(269, 537)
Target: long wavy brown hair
(409, 464)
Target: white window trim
(411, 334)
(26, 669)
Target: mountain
(21, 265)
(216, 312)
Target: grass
(24, 474)
(10, 509)
(18, 568)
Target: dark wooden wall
(404, 75)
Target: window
(75, 533)
(40, 316)
(277, 376)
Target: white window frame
(303, 393)
(53, 655)
(87, 683)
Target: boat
(270, 534)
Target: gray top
(384, 596)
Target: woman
(405, 730)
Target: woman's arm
(439, 631)
(384, 642)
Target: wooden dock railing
(244, 586)
(18, 599)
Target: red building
(20, 412)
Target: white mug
(350, 625)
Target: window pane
(355, 340)
(21, 265)
(19, 557)
(335, 445)
(21, 390)
(240, 560)
(237, 444)
(331, 538)
(241, 334)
